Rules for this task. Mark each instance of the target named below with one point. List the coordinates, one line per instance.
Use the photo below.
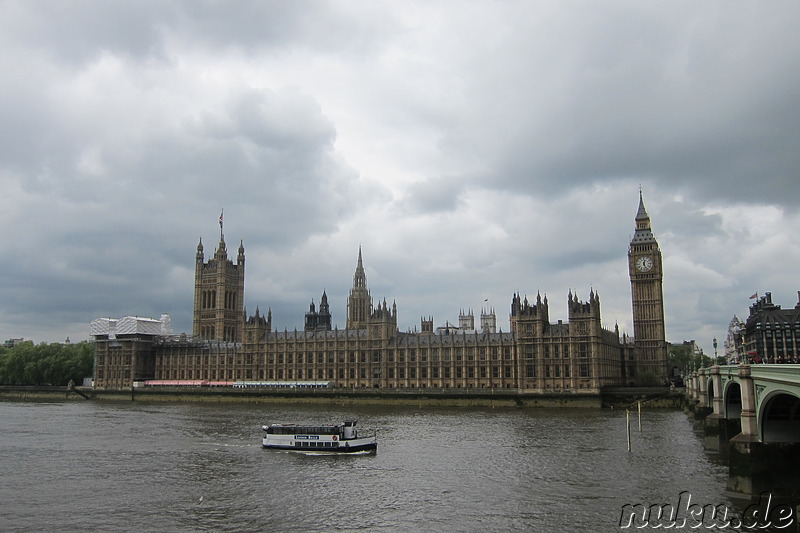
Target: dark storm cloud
(704, 99)
(474, 150)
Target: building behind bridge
(772, 334)
(536, 355)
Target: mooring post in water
(628, 426)
(640, 415)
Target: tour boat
(332, 438)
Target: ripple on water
(188, 467)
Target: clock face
(643, 264)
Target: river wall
(616, 398)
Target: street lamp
(715, 351)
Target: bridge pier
(702, 407)
(748, 416)
(716, 427)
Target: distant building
(578, 355)
(772, 334)
(734, 347)
(10, 343)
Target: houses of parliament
(536, 356)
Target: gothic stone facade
(536, 355)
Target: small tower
(466, 321)
(319, 320)
(324, 316)
(311, 318)
(488, 321)
(584, 317)
(529, 320)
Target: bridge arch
(780, 417)
(732, 400)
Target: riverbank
(612, 398)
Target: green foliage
(681, 356)
(46, 364)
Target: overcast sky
(472, 149)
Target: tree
(686, 359)
(46, 364)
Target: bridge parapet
(752, 387)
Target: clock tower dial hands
(644, 264)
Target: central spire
(360, 277)
(359, 304)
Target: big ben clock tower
(647, 295)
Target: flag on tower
(754, 295)
(220, 218)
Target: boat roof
(294, 424)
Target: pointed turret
(644, 233)
(360, 277)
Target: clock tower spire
(646, 272)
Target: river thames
(89, 466)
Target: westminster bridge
(751, 414)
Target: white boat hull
(361, 444)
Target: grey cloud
(705, 101)
(78, 31)
(435, 194)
